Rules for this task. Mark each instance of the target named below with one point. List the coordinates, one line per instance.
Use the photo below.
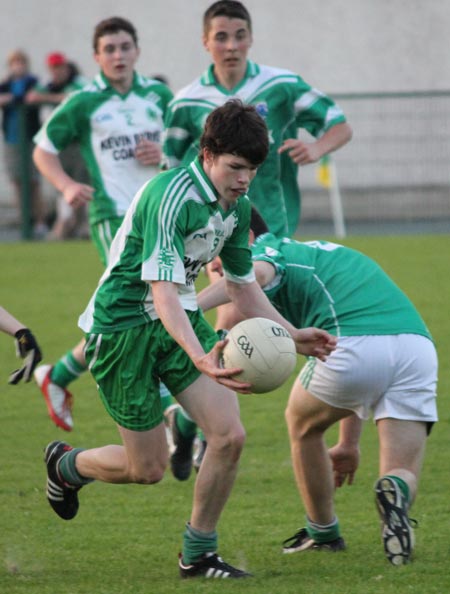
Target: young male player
(282, 98)
(287, 103)
(118, 123)
(143, 326)
(385, 363)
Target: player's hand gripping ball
(264, 350)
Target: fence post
(25, 174)
(336, 203)
(326, 176)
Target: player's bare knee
(229, 445)
(301, 426)
(234, 442)
(149, 474)
(294, 421)
(238, 441)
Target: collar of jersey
(103, 83)
(208, 78)
(202, 182)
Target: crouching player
(385, 363)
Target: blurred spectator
(64, 79)
(12, 93)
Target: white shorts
(391, 376)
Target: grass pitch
(126, 538)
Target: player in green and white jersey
(282, 98)
(118, 123)
(385, 363)
(143, 326)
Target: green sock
(196, 543)
(323, 533)
(185, 425)
(66, 370)
(403, 486)
(166, 397)
(68, 471)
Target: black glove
(27, 348)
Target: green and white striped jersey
(336, 288)
(174, 226)
(285, 101)
(107, 126)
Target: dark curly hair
(236, 129)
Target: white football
(264, 350)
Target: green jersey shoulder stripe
(171, 204)
(191, 102)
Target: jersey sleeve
(178, 137)
(315, 111)
(236, 254)
(266, 249)
(63, 126)
(165, 97)
(163, 227)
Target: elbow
(35, 156)
(348, 132)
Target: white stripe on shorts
(98, 342)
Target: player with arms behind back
(143, 326)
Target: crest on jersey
(152, 114)
(262, 109)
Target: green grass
(126, 538)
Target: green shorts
(128, 367)
(102, 234)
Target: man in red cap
(64, 79)
(56, 59)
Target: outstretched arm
(8, 323)
(251, 301)
(26, 346)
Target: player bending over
(385, 364)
